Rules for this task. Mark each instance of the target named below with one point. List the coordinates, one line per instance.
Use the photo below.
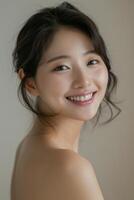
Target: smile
(82, 100)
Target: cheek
(101, 76)
(55, 85)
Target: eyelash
(66, 66)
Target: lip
(82, 94)
(84, 103)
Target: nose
(81, 79)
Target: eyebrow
(66, 56)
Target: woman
(61, 60)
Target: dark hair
(36, 35)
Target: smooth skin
(48, 165)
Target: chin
(84, 117)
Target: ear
(21, 73)
(30, 84)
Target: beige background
(109, 148)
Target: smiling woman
(62, 62)
(37, 35)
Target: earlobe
(31, 87)
(29, 84)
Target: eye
(60, 67)
(93, 62)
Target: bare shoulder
(72, 159)
(68, 176)
(77, 179)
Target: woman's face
(74, 73)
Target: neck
(65, 134)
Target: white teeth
(81, 98)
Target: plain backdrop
(109, 148)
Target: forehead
(69, 40)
